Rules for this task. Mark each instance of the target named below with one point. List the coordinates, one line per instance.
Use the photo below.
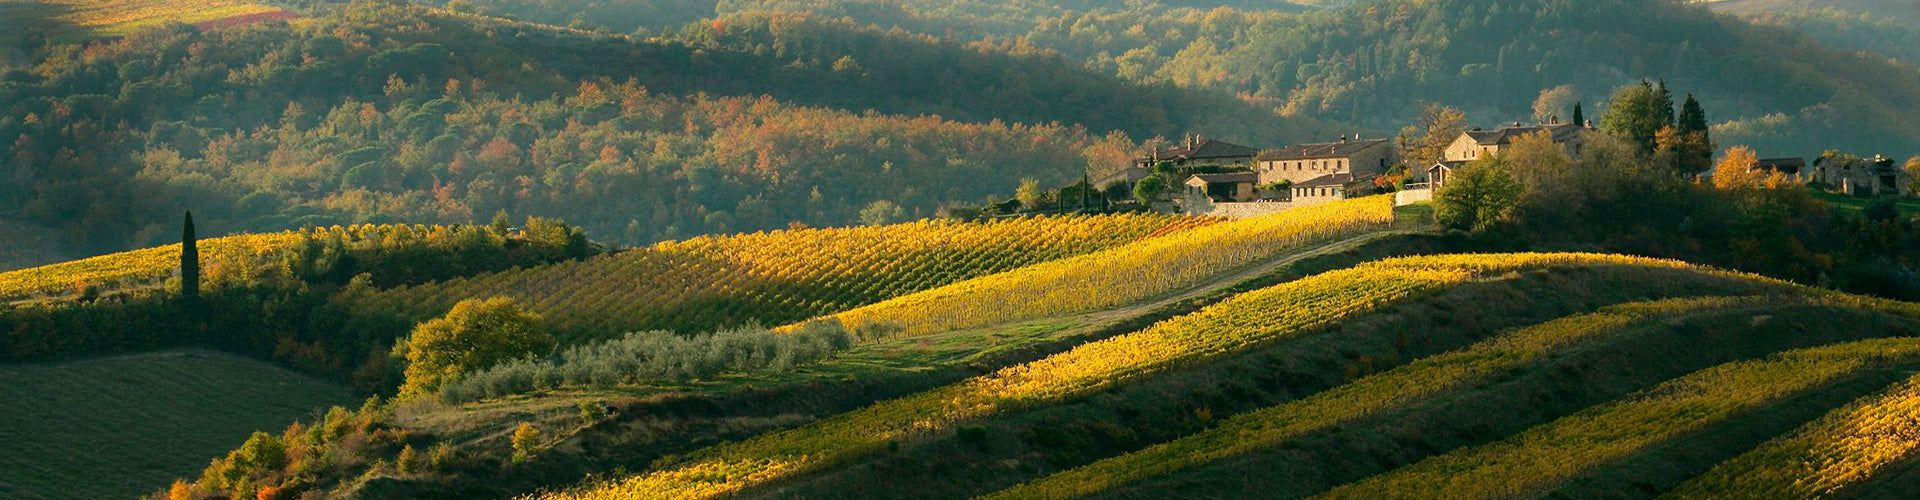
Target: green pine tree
(1579, 117)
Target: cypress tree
(189, 262)
(1692, 118)
(1663, 99)
(1579, 118)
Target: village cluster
(1223, 178)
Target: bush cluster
(656, 356)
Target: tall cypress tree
(1692, 118)
(1664, 100)
(189, 262)
(1579, 118)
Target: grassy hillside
(120, 427)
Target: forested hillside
(374, 112)
(1369, 62)
(1843, 29)
(1902, 11)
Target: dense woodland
(713, 117)
(375, 112)
(1369, 62)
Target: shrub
(643, 357)
(525, 439)
(409, 461)
(591, 412)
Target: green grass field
(1908, 206)
(126, 426)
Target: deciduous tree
(1425, 142)
(1635, 113)
(476, 334)
(1554, 101)
(1478, 196)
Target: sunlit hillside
(81, 19)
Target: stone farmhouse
(1477, 143)
(1301, 172)
(1291, 176)
(1856, 176)
(1321, 171)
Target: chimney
(1343, 139)
(1589, 123)
(1553, 119)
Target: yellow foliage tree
(476, 334)
(1737, 171)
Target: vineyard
(1121, 275)
(777, 277)
(1241, 323)
(1727, 384)
(94, 18)
(1844, 448)
(222, 259)
(1543, 457)
(1419, 381)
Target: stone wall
(1406, 197)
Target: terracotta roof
(1227, 177)
(1506, 135)
(1203, 148)
(1339, 149)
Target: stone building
(1477, 143)
(1222, 187)
(1855, 176)
(1349, 157)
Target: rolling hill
(1355, 363)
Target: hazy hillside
(1907, 13)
